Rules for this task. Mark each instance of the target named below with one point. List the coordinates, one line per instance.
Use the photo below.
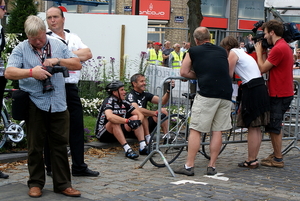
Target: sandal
(247, 164)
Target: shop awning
(286, 7)
(82, 2)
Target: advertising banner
(155, 10)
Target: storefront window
(294, 19)
(102, 8)
(216, 8)
(251, 9)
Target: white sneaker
(241, 130)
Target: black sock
(278, 159)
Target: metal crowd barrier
(178, 104)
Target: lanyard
(46, 53)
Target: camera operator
(279, 64)
(47, 112)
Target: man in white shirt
(55, 20)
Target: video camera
(47, 84)
(290, 34)
(258, 37)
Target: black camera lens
(249, 48)
(47, 85)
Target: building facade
(168, 19)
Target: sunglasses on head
(3, 7)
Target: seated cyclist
(118, 118)
(139, 98)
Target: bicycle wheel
(16, 132)
(206, 141)
(170, 144)
(3, 125)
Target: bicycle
(171, 144)
(9, 129)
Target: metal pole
(110, 7)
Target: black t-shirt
(122, 109)
(212, 71)
(140, 98)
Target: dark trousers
(3, 82)
(76, 136)
(55, 127)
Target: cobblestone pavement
(121, 179)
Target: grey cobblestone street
(121, 179)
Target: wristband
(58, 62)
(156, 113)
(126, 121)
(30, 72)
(168, 91)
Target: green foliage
(11, 42)
(89, 127)
(91, 106)
(21, 9)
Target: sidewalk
(122, 179)
(12, 157)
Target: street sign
(179, 19)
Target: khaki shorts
(210, 114)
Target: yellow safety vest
(155, 57)
(177, 59)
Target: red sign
(155, 10)
(246, 24)
(215, 22)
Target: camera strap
(46, 53)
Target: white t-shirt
(74, 43)
(246, 67)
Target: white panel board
(102, 33)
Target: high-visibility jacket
(155, 57)
(176, 64)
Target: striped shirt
(24, 57)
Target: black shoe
(168, 140)
(4, 176)
(211, 171)
(144, 151)
(183, 170)
(86, 173)
(49, 174)
(131, 154)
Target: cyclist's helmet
(114, 86)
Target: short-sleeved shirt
(246, 67)
(212, 71)
(139, 98)
(24, 57)
(122, 109)
(280, 83)
(74, 43)
(167, 52)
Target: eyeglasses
(3, 7)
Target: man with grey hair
(47, 109)
(175, 57)
(166, 53)
(212, 105)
